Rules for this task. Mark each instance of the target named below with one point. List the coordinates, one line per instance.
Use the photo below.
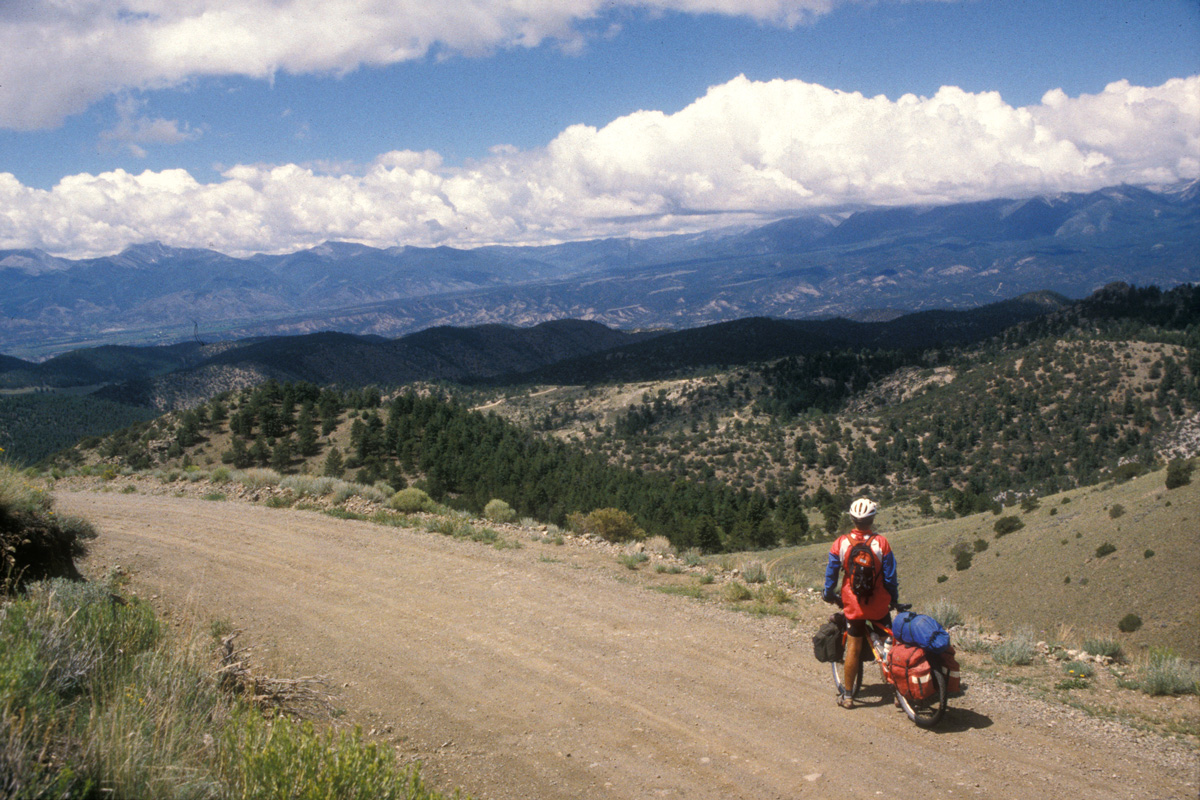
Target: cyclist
(869, 586)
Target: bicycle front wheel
(839, 671)
(927, 713)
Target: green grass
(1016, 650)
(98, 700)
(633, 560)
(1103, 646)
(736, 592)
(1167, 674)
(692, 591)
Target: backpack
(921, 631)
(909, 670)
(862, 568)
(828, 643)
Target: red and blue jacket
(887, 584)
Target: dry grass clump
(1165, 673)
(1016, 650)
(659, 545)
(259, 478)
(736, 592)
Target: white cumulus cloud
(746, 150)
(57, 57)
(133, 130)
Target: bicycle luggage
(950, 665)
(908, 668)
(828, 642)
(921, 631)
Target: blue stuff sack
(920, 631)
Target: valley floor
(550, 672)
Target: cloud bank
(746, 150)
(57, 57)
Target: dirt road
(541, 673)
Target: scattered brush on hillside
(739, 459)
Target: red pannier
(910, 671)
(950, 664)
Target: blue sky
(270, 126)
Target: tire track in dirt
(517, 677)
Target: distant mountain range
(873, 264)
(563, 351)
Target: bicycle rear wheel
(927, 713)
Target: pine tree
(334, 468)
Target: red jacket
(886, 584)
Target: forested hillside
(730, 459)
(34, 425)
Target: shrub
(736, 592)
(1007, 525)
(308, 485)
(1079, 669)
(633, 560)
(980, 545)
(1167, 674)
(499, 511)
(772, 595)
(661, 545)
(1129, 471)
(1179, 473)
(1116, 511)
(1017, 650)
(1129, 623)
(963, 554)
(942, 578)
(610, 524)
(1149, 553)
(754, 572)
(946, 613)
(411, 500)
(34, 542)
(259, 478)
(1103, 646)
(451, 526)
(280, 758)
(1105, 549)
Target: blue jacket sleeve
(832, 570)
(891, 581)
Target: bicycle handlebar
(837, 601)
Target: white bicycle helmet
(862, 508)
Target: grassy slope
(1019, 579)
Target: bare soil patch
(551, 672)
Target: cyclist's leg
(856, 632)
